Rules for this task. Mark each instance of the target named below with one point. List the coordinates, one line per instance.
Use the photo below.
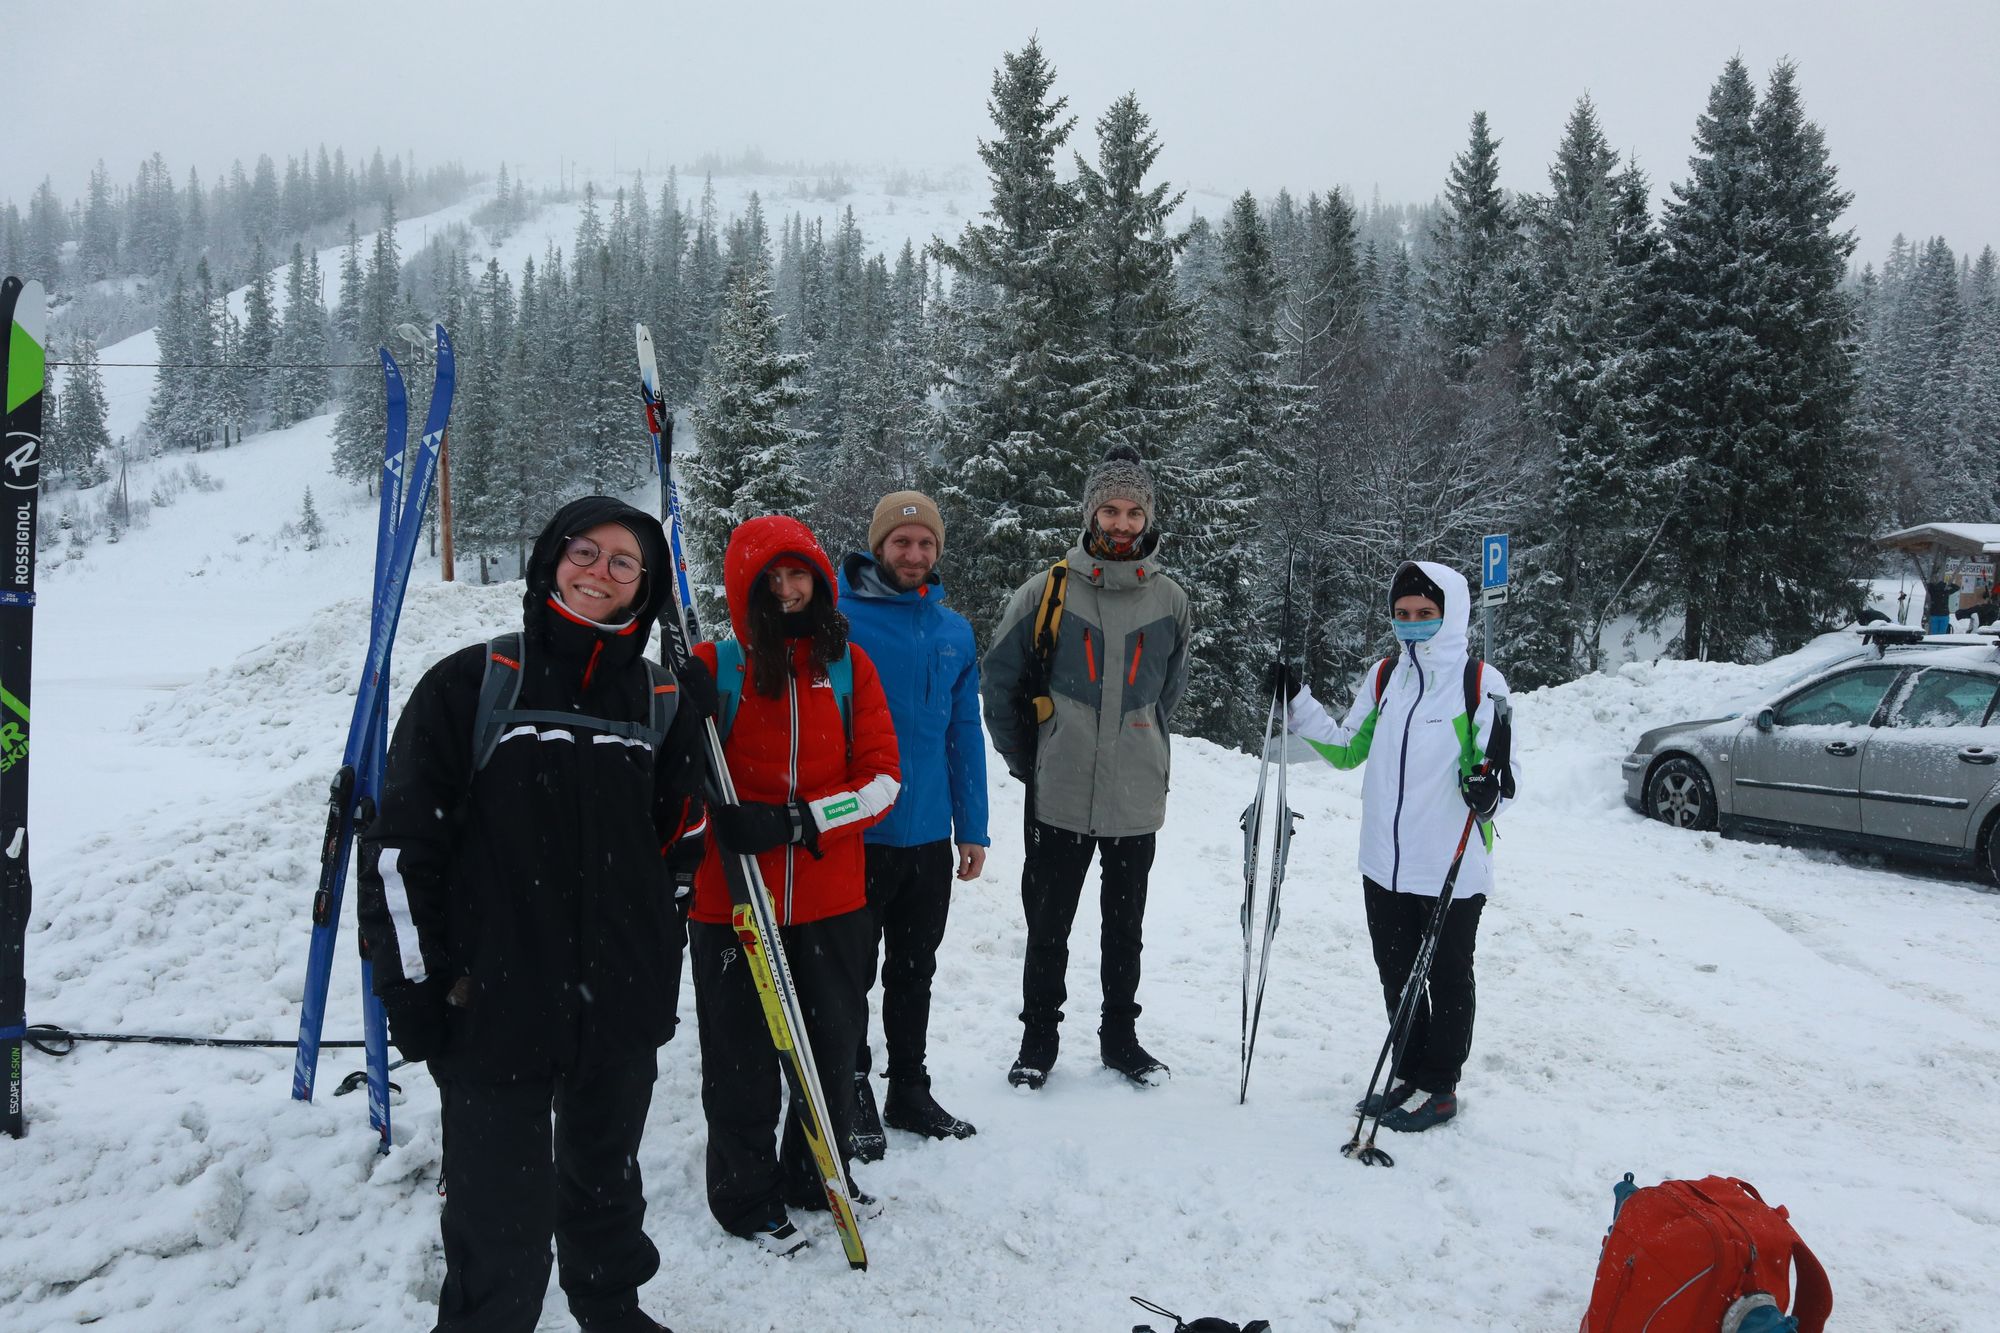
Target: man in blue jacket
(929, 667)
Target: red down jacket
(768, 763)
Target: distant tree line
(1689, 418)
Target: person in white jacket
(1410, 713)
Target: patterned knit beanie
(1121, 476)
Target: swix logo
(24, 460)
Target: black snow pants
(1052, 876)
(750, 1176)
(1441, 1033)
(909, 898)
(511, 1185)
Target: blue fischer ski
(405, 493)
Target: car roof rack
(1884, 637)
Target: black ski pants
(749, 1174)
(1052, 875)
(1441, 1032)
(909, 898)
(511, 1184)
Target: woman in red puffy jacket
(810, 776)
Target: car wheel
(1989, 852)
(1678, 792)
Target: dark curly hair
(768, 627)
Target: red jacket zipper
(1132, 678)
(1090, 656)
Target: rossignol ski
(23, 321)
(660, 424)
(1276, 733)
(405, 492)
(755, 924)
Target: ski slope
(1652, 1001)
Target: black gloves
(697, 687)
(415, 1010)
(1282, 675)
(1481, 791)
(759, 826)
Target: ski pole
(1406, 1008)
(1404, 1020)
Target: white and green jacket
(1421, 740)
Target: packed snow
(1652, 1001)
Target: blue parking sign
(1493, 561)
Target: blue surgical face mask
(1417, 631)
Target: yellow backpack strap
(1048, 627)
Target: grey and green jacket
(1100, 764)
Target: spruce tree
(311, 531)
(1585, 267)
(260, 329)
(1465, 297)
(750, 455)
(1755, 382)
(302, 387)
(359, 430)
(1142, 331)
(1018, 440)
(84, 436)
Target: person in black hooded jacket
(522, 919)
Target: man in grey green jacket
(1086, 667)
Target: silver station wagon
(1894, 748)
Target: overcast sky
(1244, 95)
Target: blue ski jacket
(924, 653)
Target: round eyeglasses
(583, 553)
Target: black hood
(579, 516)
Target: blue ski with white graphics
(405, 493)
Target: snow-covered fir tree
(1465, 302)
(749, 453)
(1755, 382)
(1018, 441)
(303, 345)
(81, 439)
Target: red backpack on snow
(1703, 1256)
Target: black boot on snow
(1121, 1051)
(1433, 1111)
(911, 1107)
(1037, 1057)
(865, 1140)
(1392, 1098)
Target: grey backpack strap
(499, 688)
(666, 697)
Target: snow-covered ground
(1651, 1001)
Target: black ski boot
(911, 1107)
(1037, 1057)
(1389, 1099)
(865, 1140)
(1121, 1050)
